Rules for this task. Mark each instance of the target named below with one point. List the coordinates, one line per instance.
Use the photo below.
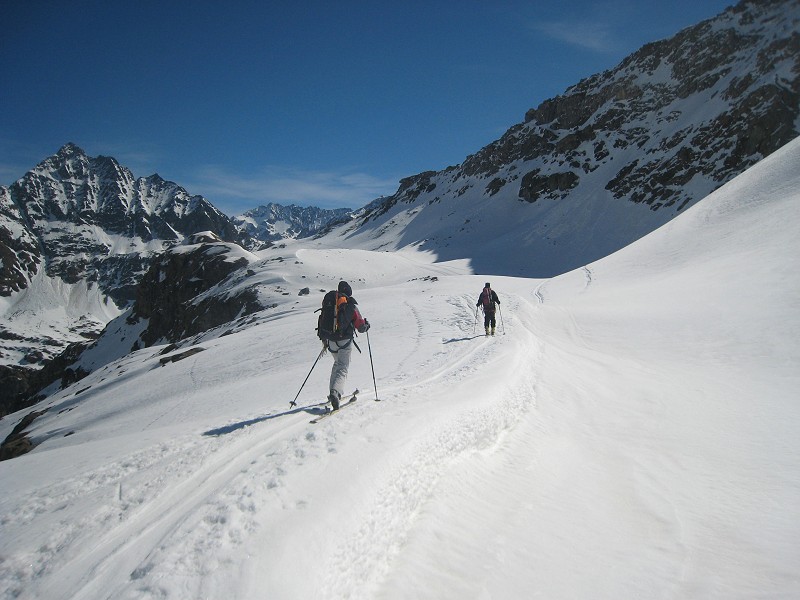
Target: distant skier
(487, 300)
(339, 321)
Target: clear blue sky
(307, 102)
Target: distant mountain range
(275, 222)
(616, 156)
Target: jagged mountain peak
(80, 189)
(70, 162)
(69, 150)
(77, 234)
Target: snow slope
(631, 432)
(55, 314)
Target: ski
(344, 401)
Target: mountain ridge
(272, 222)
(664, 128)
(586, 173)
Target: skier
(349, 320)
(488, 299)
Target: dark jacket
(350, 319)
(488, 299)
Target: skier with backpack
(338, 321)
(488, 299)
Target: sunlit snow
(632, 431)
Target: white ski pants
(341, 363)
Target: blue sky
(313, 103)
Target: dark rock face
(173, 296)
(555, 185)
(21, 386)
(17, 443)
(409, 190)
(19, 251)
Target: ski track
(539, 293)
(416, 345)
(589, 278)
(129, 514)
(446, 358)
(151, 529)
(385, 528)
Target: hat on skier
(345, 288)
(487, 284)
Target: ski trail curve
(447, 441)
(149, 515)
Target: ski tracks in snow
(485, 395)
(178, 519)
(165, 519)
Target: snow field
(229, 471)
(631, 432)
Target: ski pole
(294, 402)
(501, 319)
(372, 365)
(475, 325)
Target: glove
(364, 327)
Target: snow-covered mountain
(77, 234)
(613, 158)
(88, 219)
(616, 156)
(276, 222)
(631, 432)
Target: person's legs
(489, 322)
(341, 364)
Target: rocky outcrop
(18, 443)
(21, 386)
(20, 254)
(741, 67)
(177, 295)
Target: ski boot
(333, 398)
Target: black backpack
(329, 323)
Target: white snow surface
(632, 431)
(54, 311)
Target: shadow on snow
(314, 409)
(463, 339)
